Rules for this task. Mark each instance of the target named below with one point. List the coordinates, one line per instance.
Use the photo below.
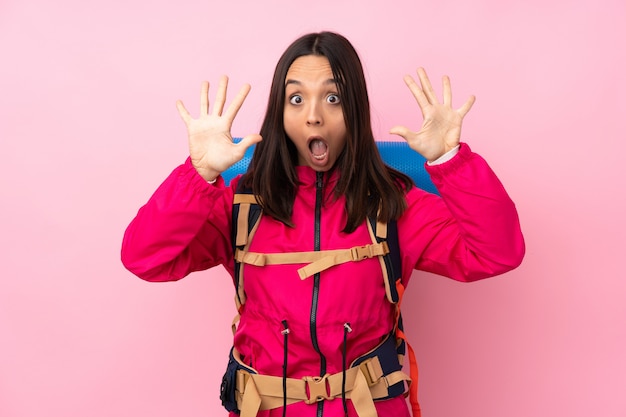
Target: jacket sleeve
(471, 232)
(184, 227)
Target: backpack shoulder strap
(391, 265)
(391, 262)
(246, 216)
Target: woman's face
(313, 115)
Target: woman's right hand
(211, 146)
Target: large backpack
(246, 216)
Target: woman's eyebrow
(297, 82)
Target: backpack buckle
(359, 253)
(318, 388)
(372, 370)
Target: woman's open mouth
(318, 148)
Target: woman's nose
(314, 115)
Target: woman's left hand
(441, 129)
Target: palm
(210, 142)
(441, 128)
(211, 146)
(441, 131)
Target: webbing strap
(381, 227)
(262, 392)
(381, 230)
(244, 201)
(318, 260)
(242, 225)
(259, 393)
(245, 198)
(243, 238)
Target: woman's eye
(333, 99)
(295, 99)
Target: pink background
(88, 129)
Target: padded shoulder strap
(392, 271)
(390, 263)
(246, 216)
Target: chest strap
(318, 260)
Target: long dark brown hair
(367, 183)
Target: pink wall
(88, 128)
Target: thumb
(182, 111)
(400, 131)
(250, 140)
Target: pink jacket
(471, 232)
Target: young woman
(313, 285)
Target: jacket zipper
(319, 196)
